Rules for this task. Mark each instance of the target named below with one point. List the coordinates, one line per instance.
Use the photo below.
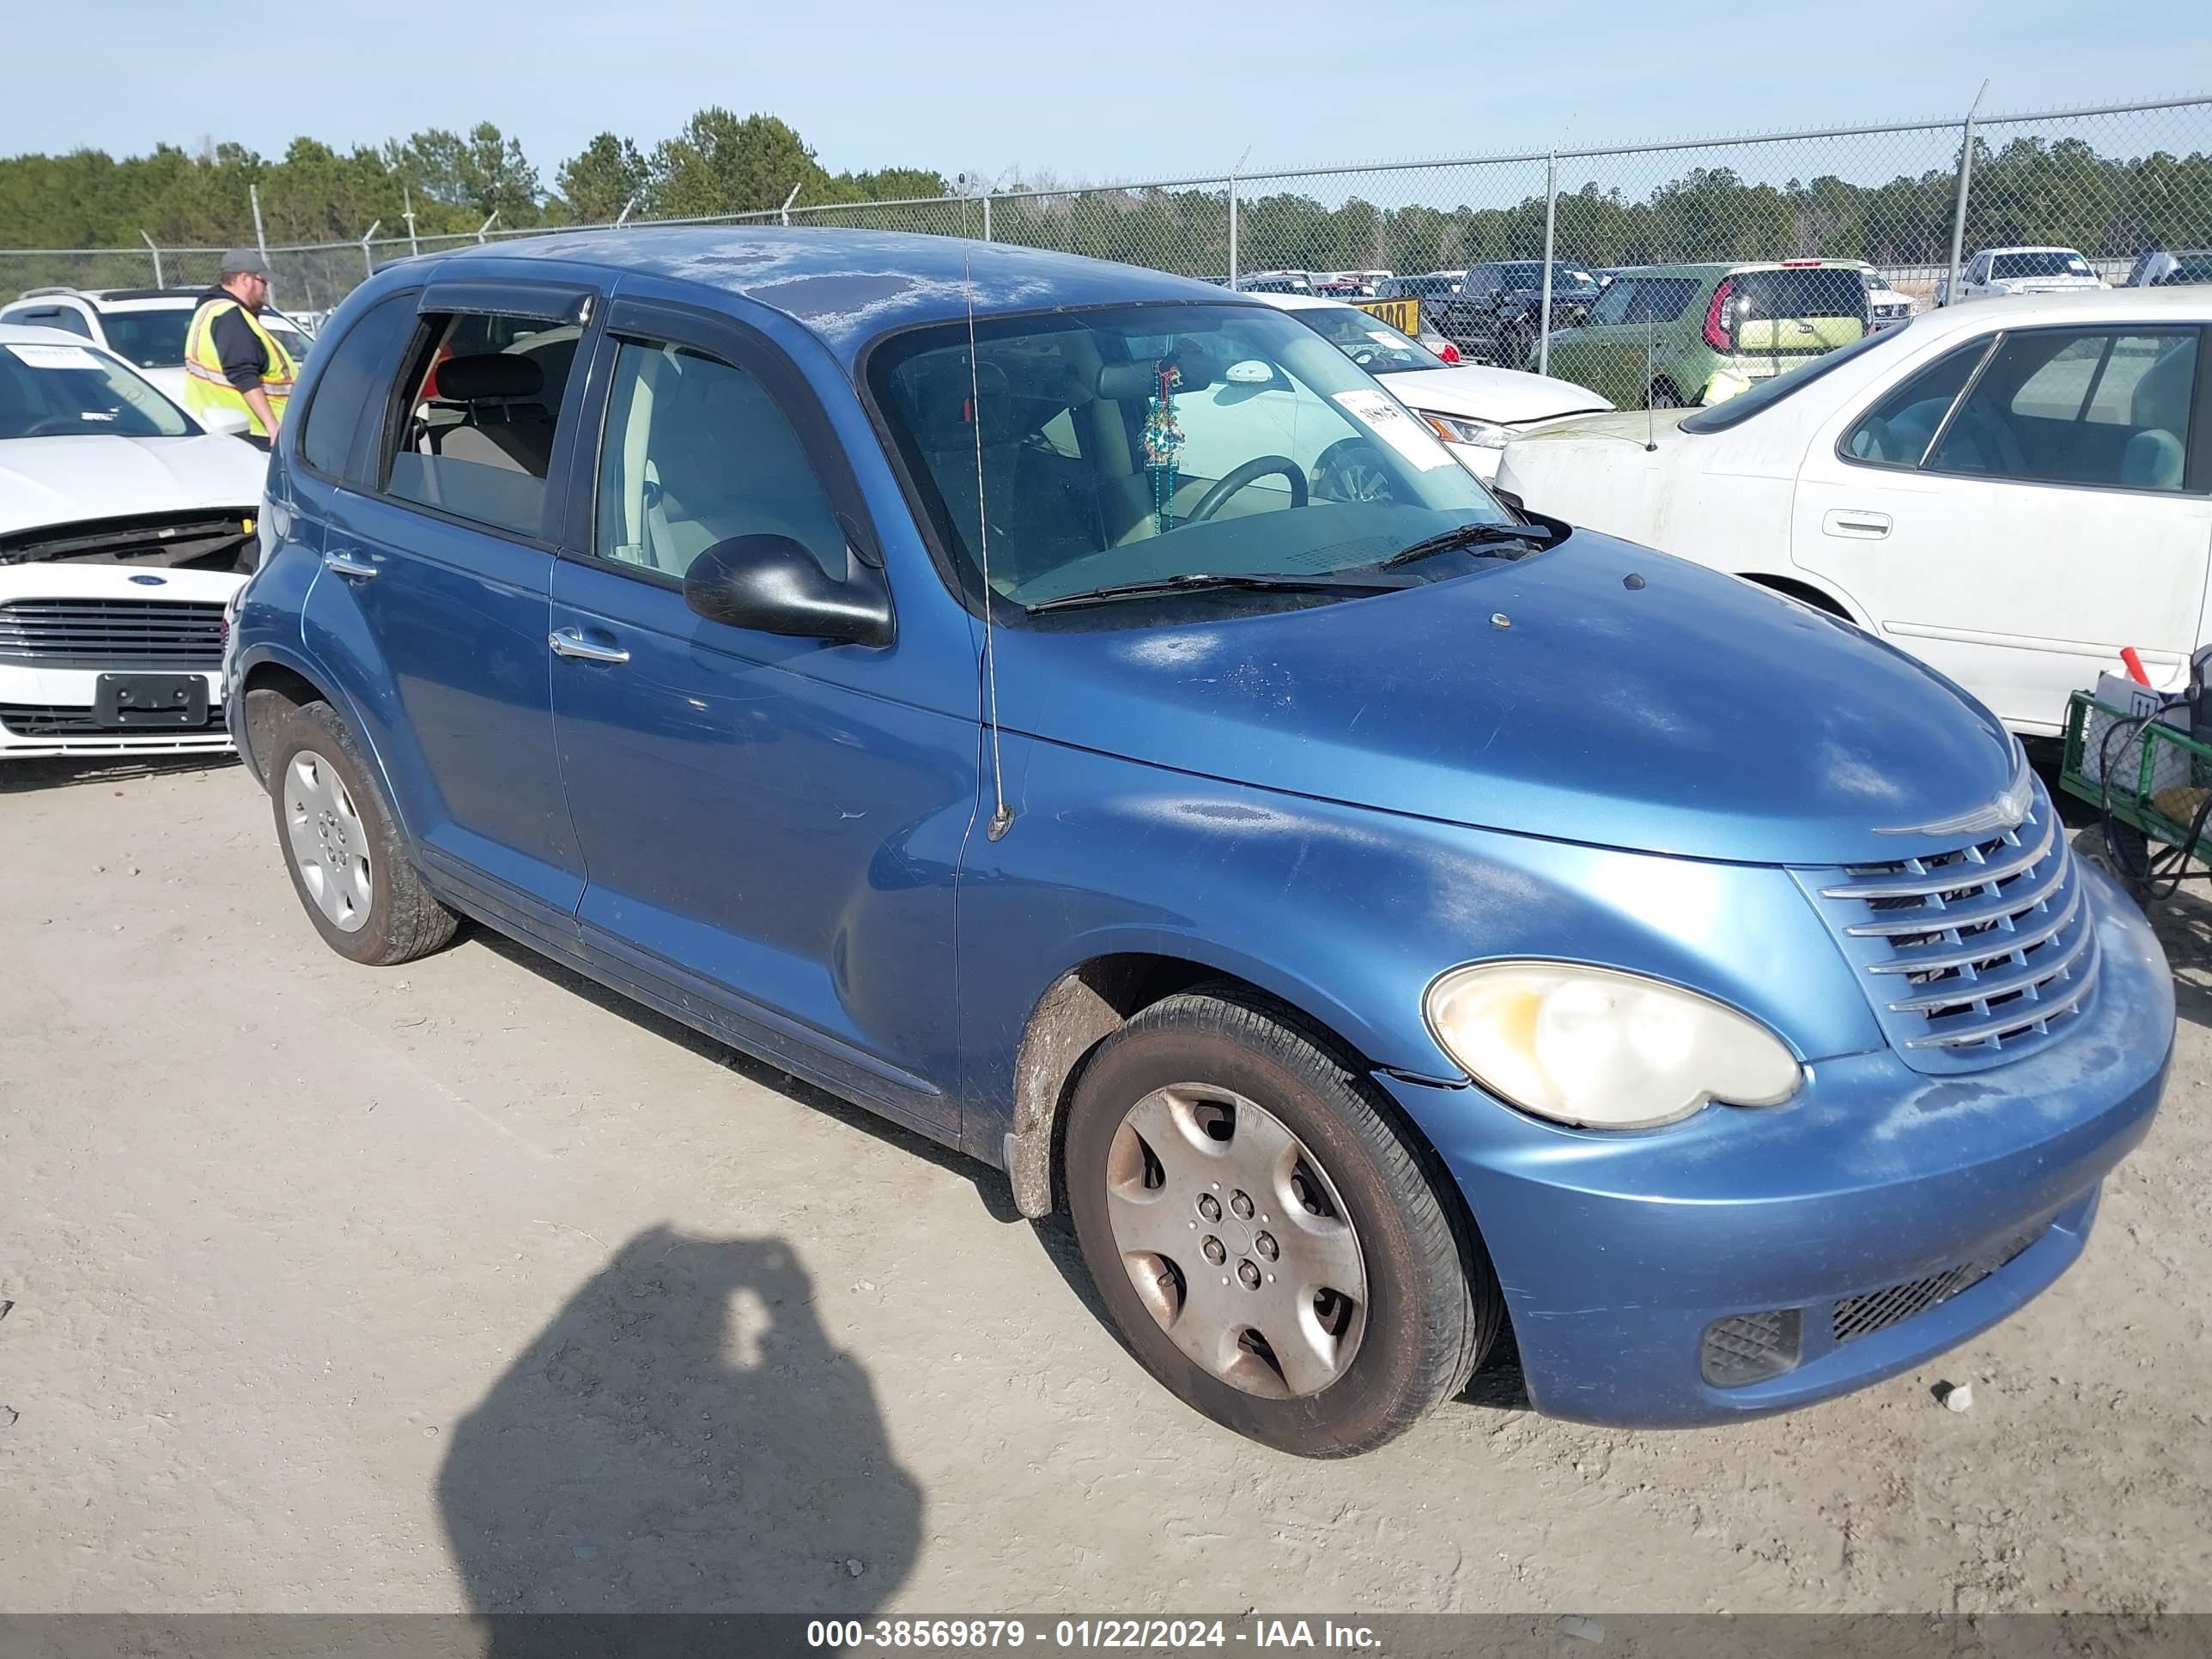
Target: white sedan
(1476, 410)
(126, 526)
(2012, 493)
(1997, 273)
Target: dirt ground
(461, 1286)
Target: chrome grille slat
(1974, 956)
(2023, 976)
(2078, 988)
(1992, 946)
(1974, 873)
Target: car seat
(503, 421)
(2154, 458)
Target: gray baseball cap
(245, 262)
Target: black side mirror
(773, 585)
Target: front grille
(1750, 1347)
(1855, 1317)
(113, 633)
(1974, 955)
(37, 720)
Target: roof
(34, 334)
(848, 286)
(2027, 247)
(2188, 303)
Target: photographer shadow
(681, 1438)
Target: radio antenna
(1650, 442)
(1002, 815)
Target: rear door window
(1644, 299)
(2111, 408)
(477, 430)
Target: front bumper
(1617, 1252)
(46, 711)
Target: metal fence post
(156, 253)
(1232, 230)
(1550, 225)
(260, 237)
(407, 198)
(1958, 214)
(987, 216)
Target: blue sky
(1091, 91)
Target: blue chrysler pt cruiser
(1075, 712)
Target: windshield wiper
(1471, 535)
(1193, 581)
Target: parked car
(2000, 272)
(1941, 485)
(1476, 410)
(1266, 818)
(144, 325)
(1498, 313)
(1434, 290)
(1275, 282)
(126, 526)
(1350, 284)
(2160, 268)
(1886, 307)
(1698, 334)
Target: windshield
(54, 391)
(2189, 267)
(1367, 339)
(1143, 443)
(2055, 262)
(151, 339)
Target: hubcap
(330, 843)
(1236, 1240)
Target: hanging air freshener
(1162, 440)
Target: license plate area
(127, 701)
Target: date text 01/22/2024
(1163, 1634)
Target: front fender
(1348, 913)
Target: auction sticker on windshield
(1376, 412)
(55, 356)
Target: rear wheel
(1271, 1249)
(342, 846)
(1665, 395)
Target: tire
(343, 848)
(1379, 1352)
(1664, 396)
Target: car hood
(1506, 396)
(1684, 713)
(62, 480)
(2046, 284)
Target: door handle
(571, 642)
(350, 564)
(1854, 526)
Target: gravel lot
(462, 1286)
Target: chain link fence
(1912, 200)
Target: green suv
(1710, 329)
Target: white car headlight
(1604, 1049)
(1483, 435)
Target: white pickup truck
(1995, 272)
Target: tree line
(719, 162)
(2028, 190)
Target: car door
(772, 824)
(433, 602)
(2020, 509)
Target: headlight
(1603, 1049)
(1483, 435)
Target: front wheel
(342, 846)
(1269, 1246)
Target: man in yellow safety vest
(231, 362)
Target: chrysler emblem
(2007, 811)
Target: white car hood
(76, 578)
(68, 479)
(1506, 397)
(2046, 284)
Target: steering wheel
(1353, 470)
(1258, 467)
